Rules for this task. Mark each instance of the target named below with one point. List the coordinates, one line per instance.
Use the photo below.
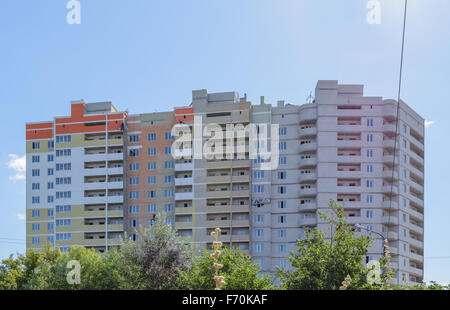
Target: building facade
(344, 146)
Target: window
(281, 189)
(66, 194)
(169, 165)
(36, 227)
(50, 212)
(50, 171)
(151, 165)
(134, 195)
(65, 180)
(35, 199)
(282, 146)
(133, 152)
(66, 152)
(65, 139)
(167, 150)
(369, 199)
(258, 247)
(151, 194)
(281, 175)
(134, 223)
(370, 153)
(168, 207)
(36, 240)
(168, 193)
(50, 144)
(369, 168)
(36, 145)
(151, 151)
(35, 213)
(50, 227)
(35, 186)
(282, 263)
(282, 248)
(258, 188)
(64, 209)
(258, 218)
(151, 179)
(370, 123)
(63, 223)
(258, 233)
(281, 204)
(369, 183)
(134, 167)
(35, 172)
(258, 174)
(369, 214)
(152, 137)
(50, 185)
(151, 208)
(370, 138)
(50, 199)
(134, 138)
(134, 209)
(35, 158)
(282, 160)
(168, 179)
(63, 237)
(50, 158)
(281, 233)
(282, 131)
(66, 166)
(281, 219)
(168, 136)
(134, 181)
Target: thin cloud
(429, 124)
(18, 164)
(21, 216)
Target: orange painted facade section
(184, 115)
(39, 134)
(74, 124)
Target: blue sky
(148, 56)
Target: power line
(398, 110)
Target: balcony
(218, 223)
(307, 177)
(389, 220)
(184, 166)
(308, 114)
(307, 147)
(240, 178)
(218, 194)
(184, 196)
(307, 192)
(240, 238)
(307, 221)
(307, 207)
(240, 223)
(184, 181)
(182, 210)
(308, 132)
(308, 162)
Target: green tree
(17, 273)
(156, 258)
(238, 269)
(97, 271)
(324, 262)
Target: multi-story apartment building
(75, 178)
(342, 146)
